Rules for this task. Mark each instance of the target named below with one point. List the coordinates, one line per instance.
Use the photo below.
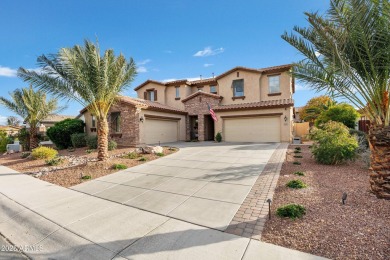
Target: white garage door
(163, 131)
(253, 129)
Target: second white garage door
(252, 129)
(163, 131)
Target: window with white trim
(238, 88)
(274, 84)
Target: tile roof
(149, 81)
(150, 105)
(56, 118)
(201, 93)
(257, 105)
(202, 81)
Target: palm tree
(80, 73)
(347, 54)
(32, 107)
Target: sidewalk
(49, 221)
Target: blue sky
(168, 39)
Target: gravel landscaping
(360, 229)
(76, 163)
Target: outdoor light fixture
(285, 118)
(344, 198)
(141, 119)
(269, 207)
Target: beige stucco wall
(160, 91)
(170, 96)
(88, 123)
(181, 124)
(285, 87)
(285, 129)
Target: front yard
(78, 165)
(357, 230)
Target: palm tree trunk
(380, 161)
(102, 134)
(33, 137)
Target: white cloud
(207, 65)
(3, 120)
(167, 80)
(299, 87)
(142, 69)
(7, 72)
(208, 51)
(143, 62)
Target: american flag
(212, 113)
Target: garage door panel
(163, 131)
(252, 129)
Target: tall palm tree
(81, 73)
(32, 106)
(347, 53)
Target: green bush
(92, 141)
(362, 139)
(296, 184)
(218, 137)
(299, 173)
(86, 177)
(112, 145)
(118, 166)
(54, 161)
(24, 138)
(132, 155)
(44, 153)
(343, 113)
(78, 140)
(142, 159)
(160, 154)
(333, 144)
(292, 211)
(60, 133)
(4, 140)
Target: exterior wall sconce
(285, 118)
(141, 119)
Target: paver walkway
(60, 223)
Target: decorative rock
(152, 149)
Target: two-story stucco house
(251, 105)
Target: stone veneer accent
(250, 218)
(197, 106)
(129, 134)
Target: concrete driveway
(203, 183)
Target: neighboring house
(252, 105)
(54, 118)
(10, 130)
(297, 113)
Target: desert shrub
(297, 163)
(54, 161)
(4, 140)
(132, 155)
(89, 151)
(362, 139)
(24, 138)
(218, 137)
(86, 177)
(112, 145)
(343, 113)
(299, 173)
(60, 133)
(142, 159)
(296, 184)
(333, 144)
(78, 140)
(25, 154)
(298, 156)
(160, 154)
(298, 148)
(292, 211)
(118, 166)
(44, 153)
(297, 151)
(92, 141)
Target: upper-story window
(213, 89)
(116, 122)
(238, 88)
(274, 84)
(177, 89)
(150, 94)
(93, 121)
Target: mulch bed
(72, 176)
(360, 229)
